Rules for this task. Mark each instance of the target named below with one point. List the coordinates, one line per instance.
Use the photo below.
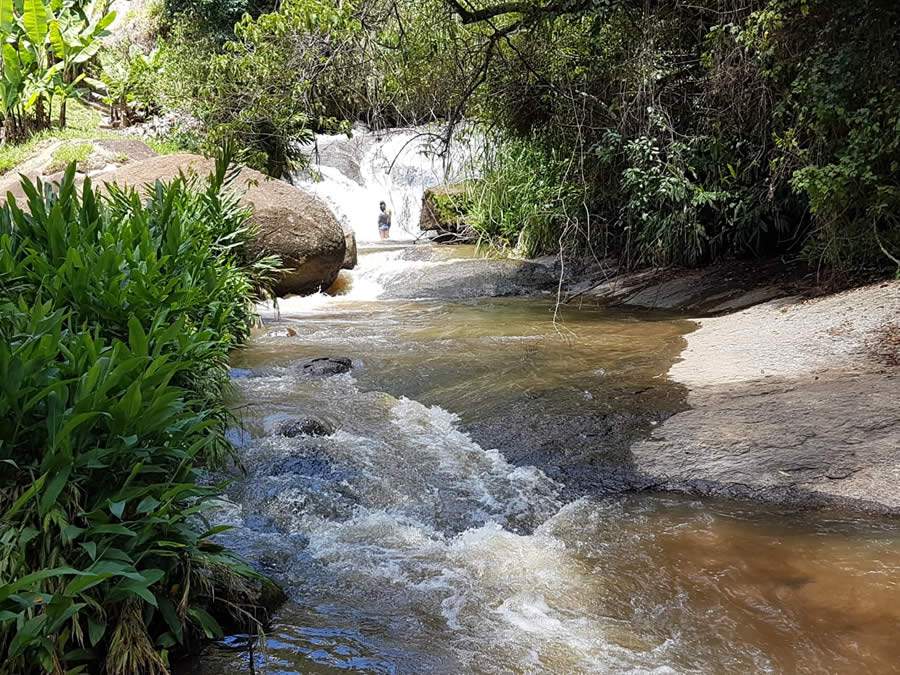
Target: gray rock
(325, 366)
(305, 427)
(351, 257)
(832, 440)
(475, 278)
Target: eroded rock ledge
(792, 401)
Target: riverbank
(791, 401)
(463, 499)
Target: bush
(705, 131)
(271, 86)
(527, 199)
(114, 336)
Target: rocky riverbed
(794, 400)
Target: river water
(457, 520)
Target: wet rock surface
(325, 366)
(470, 278)
(715, 289)
(588, 453)
(832, 440)
(305, 427)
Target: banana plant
(45, 48)
(76, 38)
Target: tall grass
(116, 320)
(526, 198)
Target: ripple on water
(407, 547)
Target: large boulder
(290, 222)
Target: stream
(472, 509)
(420, 537)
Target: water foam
(395, 166)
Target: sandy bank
(791, 401)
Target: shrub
(526, 199)
(114, 335)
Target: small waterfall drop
(352, 175)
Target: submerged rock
(305, 427)
(473, 278)
(325, 366)
(309, 466)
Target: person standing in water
(384, 221)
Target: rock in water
(325, 366)
(291, 223)
(351, 256)
(305, 427)
(443, 212)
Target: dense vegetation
(660, 132)
(116, 320)
(664, 132)
(45, 49)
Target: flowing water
(471, 513)
(354, 174)
(437, 529)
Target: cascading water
(406, 543)
(354, 174)
(436, 530)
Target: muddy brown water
(427, 535)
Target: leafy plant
(130, 83)
(117, 319)
(45, 49)
(526, 199)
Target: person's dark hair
(381, 204)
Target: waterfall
(353, 174)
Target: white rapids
(352, 175)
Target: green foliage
(216, 17)
(692, 131)
(117, 319)
(704, 132)
(273, 85)
(683, 202)
(76, 153)
(131, 82)
(45, 51)
(83, 124)
(527, 197)
(837, 121)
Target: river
(472, 511)
(450, 524)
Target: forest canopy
(666, 131)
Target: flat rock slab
(474, 278)
(828, 440)
(788, 338)
(715, 289)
